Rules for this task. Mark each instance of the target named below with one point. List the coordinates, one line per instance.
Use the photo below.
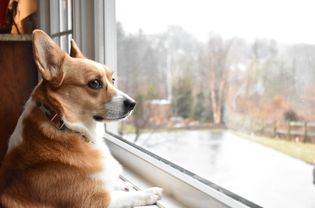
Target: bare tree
(218, 74)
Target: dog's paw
(151, 195)
(135, 198)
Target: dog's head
(81, 89)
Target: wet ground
(260, 174)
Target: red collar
(56, 120)
(52, 115)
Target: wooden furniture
(18, 76)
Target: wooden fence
(294, 130)
(302, 131)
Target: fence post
(274, 129)
(305, 132)
(289, 130)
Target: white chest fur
(95, 132)
(111, 169)
(16, 138)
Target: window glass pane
(63, 11)
(69, 37)
(61, 23)
(225, 89)
(69, 15)
(54, 17)
(64, 43)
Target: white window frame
(50, 18)
(94, 30)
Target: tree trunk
(216, 110)
(216, 97)
(219, 71)
(217, 117)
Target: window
(61, 22)
(223, 89)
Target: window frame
(50, 18)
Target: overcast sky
(288, 21)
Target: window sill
(181, 188)
(140, 184)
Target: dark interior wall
(18, 76)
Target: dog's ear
(75, 51)
(48, 57)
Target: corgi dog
(56, 156)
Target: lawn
(302, 151)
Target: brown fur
(50, 158)
(51, 168)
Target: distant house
(159, 111)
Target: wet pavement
(260, 174)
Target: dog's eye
(95, 84)
(113, 80)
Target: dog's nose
(129, 104)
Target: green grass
(128, 129)
(302, 151)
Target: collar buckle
(57, 121)
(52, 115)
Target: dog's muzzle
(120, 106)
